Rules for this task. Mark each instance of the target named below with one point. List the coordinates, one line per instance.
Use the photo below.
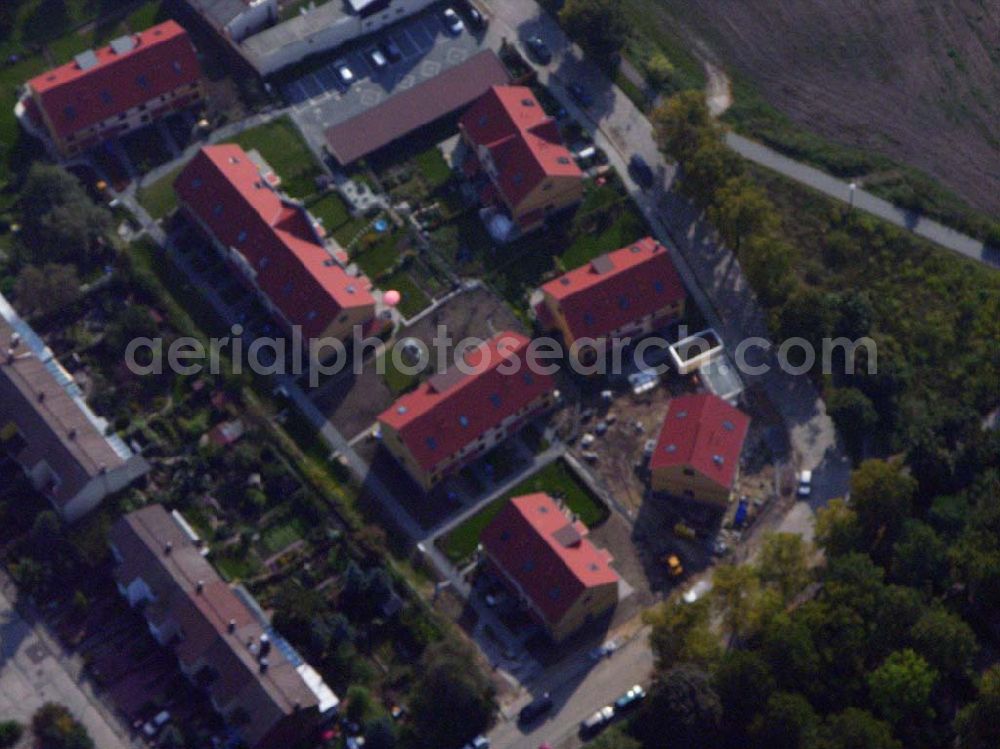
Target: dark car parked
(580, 95)
(535, 709)
(539, 49)
(641, 172)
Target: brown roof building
(223, 641)
(47, 428)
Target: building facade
(546, 561)
(108, 92)
(272, 243)
(697, 455)
(455, 416)
(224, 643)
(47, 428)
(626, 293)
(528, 170)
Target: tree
(46, 289)
(682, 632)
(978, 723)
(837, 530)
(854, 314)
(744, 683)
(359, 703)
(598, 26)
(741, 602)
(788, 722)
(901, 687)
(784, 563)
(856, 729)
(766, 261)
(134, 321)
(740, 210)
(56, 728)
(614, 738)
(61, 222)
(805, 315)
(684, 707)
(681, 125)
(380, 734)
(946, 641)
(10, 733)
(791, 653)
(882, 496)
(711, 165)
(855, 416)
(920, 557)
(450, 685)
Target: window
(264, 262)
(495, 400)
(623, 302)
(196, 183)
(176, 66)
(728, 425)
(529, 379)
(217, 209)
(658, 287)
(588, 319)
(311, 316)
(431, 443)
(241, 237)
(106, 96)
(142, 81)
(463, 421)
(69, 112)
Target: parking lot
(321, 100)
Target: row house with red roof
(546, 560)
(272, 242)
(529, 172)
(107, 92)
(697, 455)
(626, 293)
(459, 414)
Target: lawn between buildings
(557, 479)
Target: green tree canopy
(598, 26)
(682, 706)
(56, 728)
(682, 632)
(882, 496)
(978, 723)
(784, 563)
(44, 289)
(946, 641)
(901, 687)
(788, 722)
(856, 729)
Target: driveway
(34, 670)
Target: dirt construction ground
(918, 80)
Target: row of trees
(877, 648)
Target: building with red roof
(519, 147)
(697, 455)
(457, 416)
(628, 292)
(273, 243)
(548, 563)
(110, 91)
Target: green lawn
(433, 167)
(236, 567)
(158, 198)
(624, 230)
(379, 256)
(278, 537)
(282, 146)
(397, 381)
(556, 479)
(413, 298)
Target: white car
(344, 73)
(152, 726)
(697, 590)
(452, 22)
(805, 484)
(376, 58)
(598, 720)
(480, 742)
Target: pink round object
(392, 297)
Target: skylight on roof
(463, 421)
(728, 425)
(527, 102)
(635, 248)
(682, 414)
(106, 96)
(142, 81)
(562, 160)
(671, 448)
(432, 443)
(718, 460)
(401, 410)
(242, 236)
(217, 209)
(528, 565)
(495, 400)
(658, 287)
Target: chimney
(232, 626)
(41, 396)
(199, 586)
(265, 646)
(168, 548)
(263, 665)
(72, 434)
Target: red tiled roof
(161, 59)
(223, 187)
(616, 289)
(406, 111)
(548, 555)
(523, 141)
(702, 432)
(453, 409)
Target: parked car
(539, 49)
(649, 448)
(606, 650)
(580, 95)
(630, 699)
(475, 19)
(344, 72)
(153, 726)
(480, 742)
(674, 566)
(535, 709)
(805, 484)
(697, 590)
(376, 58)
(597, 721)
(452, 22)
(641, 172)
(392, 50)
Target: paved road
(865, 201)
(35, 670)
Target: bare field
(915, 80)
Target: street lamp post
(853, 187)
